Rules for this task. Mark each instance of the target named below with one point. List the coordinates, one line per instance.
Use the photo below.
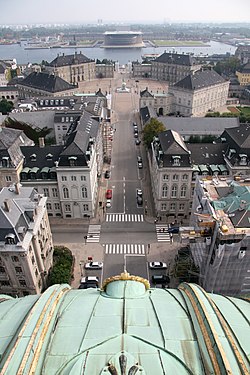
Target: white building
(199, 92)
(26, 247)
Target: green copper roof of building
(124, 328)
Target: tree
(62, 266)
(6, 106)
(152, 129)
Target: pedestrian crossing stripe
(138, 249)
(93, 233)
(162, 233)
(124, 217)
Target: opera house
(123, 39)
(124, 328)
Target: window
(49, 206)
(181, 206)
(18, 270)
(192, 191)
(73, 178)
(165, 177)
(83, 178)
(172, 206)
(2, 269)
(85, 207)
(164, 207)
(64, 178)
(8, 178)
(183, 191)
(164, 191)
(22, 283)
(185, 177)
(46, 192)
(176, 160)
(57, 206)
(84, 192)
(63, 119)
(54, 192)
(14, 258)
(33, 259)
(5, 283)
(174, 191)
(64, 127)
(67, 208)
(65, 193)
(175, 177)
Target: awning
(214, 168)
(34, 170)
(26, 170)
(195, 168)
(222, 168)
(203, 168)
(45, 170)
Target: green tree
(6, 106)
(152, 129)
(62, 266)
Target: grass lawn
(176, 43)
(244, 110)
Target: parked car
(160, 279)
(89, 282)
(136, 135)
(91, 279)
(173, 230)
(157, 265)
(94, 265)
(139, 200)
(139, 158)
(139, 192)
(140, 165)
(135, 129)
(87, 285)
(137, 142)
(108, 203)
(107, 174)
(109, 194)
(134, 124)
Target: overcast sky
(89, 11)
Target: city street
(124, 235)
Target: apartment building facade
(26, 247)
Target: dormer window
(176, 160)
(72, 160)
(49, 156)
(231, 152)
(243, 159)
(10, 239)
(5, 162)
(33, 157)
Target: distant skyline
(127, 11)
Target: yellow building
(243, 75)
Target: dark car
(160, 279)
(139, 200)
(137, 142)
(107, 174)
(173, 230)
(88, 285)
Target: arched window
(174, 191)
(84, 192)
(164, 193)
(65, 192)
(183, 191)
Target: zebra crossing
(124, 217)
(93, 233)
(112, 248)
(162, 233)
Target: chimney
(17, 188)
(41, 142)
(6, 204)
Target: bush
(62, 266)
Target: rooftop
(123, 328)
